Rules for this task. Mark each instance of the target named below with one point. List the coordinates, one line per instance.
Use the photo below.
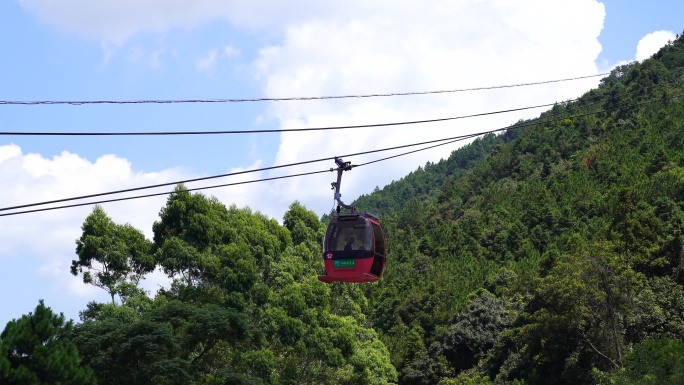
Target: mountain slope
(574, 221)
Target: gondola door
(380, 250)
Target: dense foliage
(552, 253)
(246, 307)
(35, 350)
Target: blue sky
(206, 49)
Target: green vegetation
(246, 307)
(550, 254)
(35, 349)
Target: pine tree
(36, 349)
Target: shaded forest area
(550, 254)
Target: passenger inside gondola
(349, 236)
(350, 244)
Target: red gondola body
(353, 249)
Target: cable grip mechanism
(341, 167)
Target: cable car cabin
(353, 249)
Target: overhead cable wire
(452, 139)
(231, 174)
(47, 133)
(464, 137)
(166, 184)
(295, 164)
(418, 150)
(170, 133)
(547, 120)
(161, 193)
(218, 176)
(297, 98)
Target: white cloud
(116, 21)
(230, 51)
(646, 47)
(651, 43)
(8, 152)
(412, 46)
(241, 194)
(361, 47)
(155, 58)
(206, 63)
(40, 246)
(138, 54)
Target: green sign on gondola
(344, 263)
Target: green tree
(475, 331)
(190, 229)
(118, 254)
(174, 342)
(652, 362)
(36, 349)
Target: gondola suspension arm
(342, 166)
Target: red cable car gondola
(354, 245)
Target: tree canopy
(36, 349)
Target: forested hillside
(552, 253)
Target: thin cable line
(214, 176)
(162, 133)
(452, 139)
(45, 133)
(262, 169)
(421, 149)
(165, 184)
(227, 184)
(162, 193)
(302, 98)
